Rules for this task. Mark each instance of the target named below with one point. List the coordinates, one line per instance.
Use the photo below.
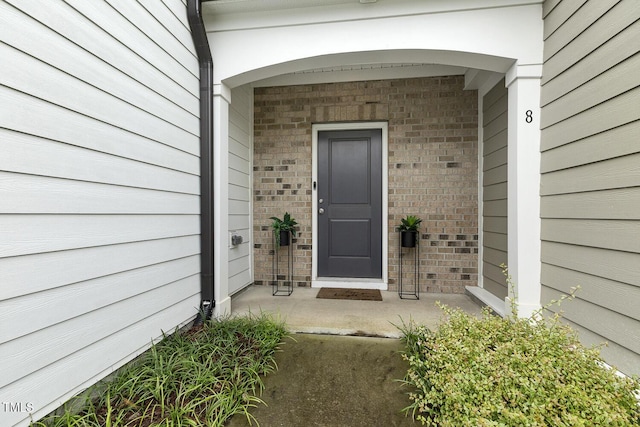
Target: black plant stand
(403, 292)
(286, 288)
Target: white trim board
(488, 299)
(334, 282)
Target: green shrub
(494, 371)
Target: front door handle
(321, 211)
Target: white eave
(267, 12)
(288, 42)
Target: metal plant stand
(286, 288)
(414, 291)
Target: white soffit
(431, 6)
(363, 72)
(243, 14)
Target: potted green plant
(408, 228)
(282, 228)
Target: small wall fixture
(368, 1)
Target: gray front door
(350, 203)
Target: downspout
(199, 35)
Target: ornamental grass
(201, 377)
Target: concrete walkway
(325, 379)
(334, 381)
(303, 312)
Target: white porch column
(221, 102)
(523, 83)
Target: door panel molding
(349, 191)
(350, 282)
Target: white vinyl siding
(590, 184)
(494, 189)
(99, 176)
(240, 172)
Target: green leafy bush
(494, 371)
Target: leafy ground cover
(198, 378)
(494, 371)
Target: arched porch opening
(475, 49)
(431, 158)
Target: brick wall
(433, 169)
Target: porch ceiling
(359, 72)
(376, 65)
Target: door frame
(337, 282)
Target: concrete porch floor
(303, 312)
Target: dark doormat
(353, 294)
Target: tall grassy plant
(494, 371)
(199, 378)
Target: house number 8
(529, 116)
